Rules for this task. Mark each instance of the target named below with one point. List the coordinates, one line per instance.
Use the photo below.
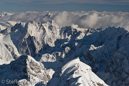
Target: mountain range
(47, 54)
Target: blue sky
(64, 5)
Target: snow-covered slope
(7, 24)
(8, 51)
(77, 73)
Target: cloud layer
(91, 19)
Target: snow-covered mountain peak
(26, 71)
(76, 73)
(77, 70)
(4, 14)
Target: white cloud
(94, 19)
(66, 18)
(91, 19)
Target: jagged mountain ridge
(24, 71)
(76, 73)
(52, 45)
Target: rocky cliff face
(24, 71)
(105, 50)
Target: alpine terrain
(52, 50)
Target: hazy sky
(64, 5)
